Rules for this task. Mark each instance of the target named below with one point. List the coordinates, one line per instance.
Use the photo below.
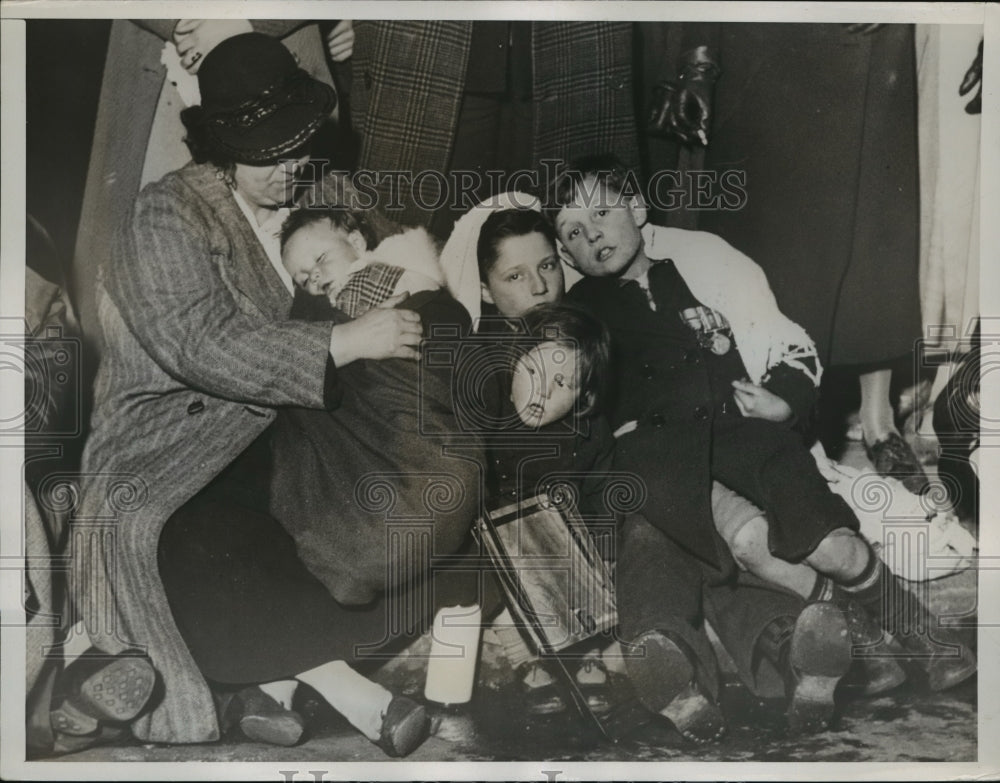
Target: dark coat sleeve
(341, 476)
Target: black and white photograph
(371, 374)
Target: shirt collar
(269, 235)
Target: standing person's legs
(890, 454)
(494, 133)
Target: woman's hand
(381, 333)
(195, 38)
(756, 402)
(340, 41)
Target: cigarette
(702, 137)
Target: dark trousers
(495, 132)
(661, 586)
(769, 466)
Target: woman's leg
(876, 409)
(890, 454)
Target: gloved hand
(974, 76)
(684, 110)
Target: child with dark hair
(554, 440)
(712, 379)
(518, 265)
(333, 251)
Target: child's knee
(748, 544)
(840, 553)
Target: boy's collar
(622, 281)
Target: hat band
(271, 154)
(249, 114)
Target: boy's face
(544, 387)
(527, 273)
(318, 256)
(599, 230)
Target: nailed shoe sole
(820, 656)
(663, 679)
(116, 692)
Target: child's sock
(514, 646)
(354, 696)
(823, 590)
(282, 691)
(875, 589)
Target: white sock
(514, 646)
(354, 696)
(281, 691)
(76, 643)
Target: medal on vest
(711, 328)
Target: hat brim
(282, 132)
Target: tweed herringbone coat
(408, 79)
(198, 356)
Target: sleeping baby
(332, 251)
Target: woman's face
(527, 273)
(268, 186)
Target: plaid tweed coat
(198, 354)
(408, 79)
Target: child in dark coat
(711, 379)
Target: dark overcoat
(822, 123)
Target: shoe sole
(117, 692)
(283, 730)
(663, 679)
(407, 735)
(820, 656)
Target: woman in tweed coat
(199, 355)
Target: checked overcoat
(408, 80)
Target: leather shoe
(405, 726)
(892, 456)
(663, 677)
(876, 653)
(263, 719)
(538, 689)
(819, 655)
(98, 688)
(945, 659)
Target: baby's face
(544, 388)
(319, 255)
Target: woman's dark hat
(257, 105)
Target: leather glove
(684, 109)
(973, 77)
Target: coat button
(647, 372)
(691, 356)
(657, 420)
(196, 407)
(701, 413)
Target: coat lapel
(247, 267)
